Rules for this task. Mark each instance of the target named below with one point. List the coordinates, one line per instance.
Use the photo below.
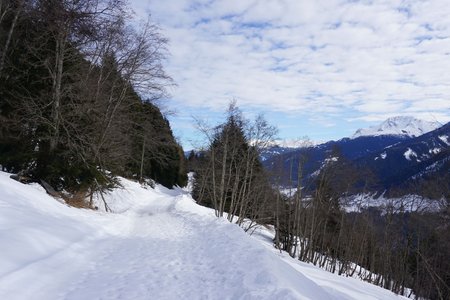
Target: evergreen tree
(70, 111)
(229, 175)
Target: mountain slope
(391, 151)
(312, 158)
(158, 244)
(401, 125)
(411, 159)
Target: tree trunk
(8, 39)
(141, 175)
(57, 93)
(222, 179)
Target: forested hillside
(78, 87)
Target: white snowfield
(158, 244)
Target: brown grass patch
(78, 199)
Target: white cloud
(374, 58)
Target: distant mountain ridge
(421, 157)
(401, 125)
(285, 162)
(394, 154)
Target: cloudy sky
(321, 68)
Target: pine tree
(229, 175)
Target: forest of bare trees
(399, 249)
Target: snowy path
(161, 246)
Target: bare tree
(232, 179)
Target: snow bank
(157, 244)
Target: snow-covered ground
(157, 244)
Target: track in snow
(159, 245)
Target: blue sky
(321, 68)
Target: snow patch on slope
(382, 156)
(435, 150)
(409, 154)
(407, 126)
(445, 139)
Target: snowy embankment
(158, 244)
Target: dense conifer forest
(78, 87)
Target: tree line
(78, 87)
(397, 248)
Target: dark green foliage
(152, 140)
(77, 124)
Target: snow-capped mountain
(401, 125)
(395, 159)
(296, 143)
(278, 147)
(364, 141)
(287, 160)
(415, 158)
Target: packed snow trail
(157, 245)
